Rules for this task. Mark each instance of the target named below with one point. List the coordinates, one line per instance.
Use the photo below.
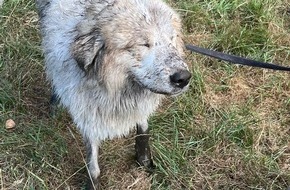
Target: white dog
(110, 63)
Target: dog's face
(140, 43)
(157, 63)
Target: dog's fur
(110, 63)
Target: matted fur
(110, 62)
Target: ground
(229, 131)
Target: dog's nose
(181, 78)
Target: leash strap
(235, 59)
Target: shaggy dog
(110, 63)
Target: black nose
(181, 78)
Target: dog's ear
(88, 51)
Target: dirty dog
(110, 63)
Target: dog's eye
(146, 45)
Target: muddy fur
(110, 63)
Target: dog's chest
(112, 117)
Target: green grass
(229, 131)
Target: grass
(229, 131)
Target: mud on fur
(110, 64)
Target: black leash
(235, 59)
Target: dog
(110, 63)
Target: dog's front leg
(54, 103)
(143, 153)
(92, 148)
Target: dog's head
(134, 39)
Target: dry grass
(229, 131)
